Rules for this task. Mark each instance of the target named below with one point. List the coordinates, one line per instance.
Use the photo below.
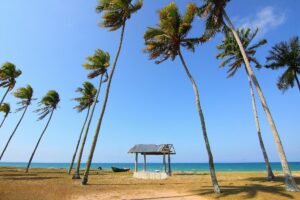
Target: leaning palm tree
(5, 108)
(217, 20)
(8, 75)
(286, 55)
(25, 94)
(115, 15)
(234, 60)
(85, 101)
(165, 42)
(98, 64)
(49, 104)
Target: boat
(116, 169)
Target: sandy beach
(52, 184)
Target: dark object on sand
(100, 168)
(115, 169)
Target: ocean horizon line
(196, 167)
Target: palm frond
(87, 98)
(48, 103)
(230, 51)
(164, 41)
(8, 75)
(5, 108)
(116, 12)
(97, 63)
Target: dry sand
(56, 184)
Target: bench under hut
(156, 150)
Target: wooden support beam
(136, 162)
(169, 165)
(164, 163)
(145, 163)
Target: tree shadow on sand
(191, 174)
(13, 175)
(279, 179)
(249, 191)
(29, 178)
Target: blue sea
(197, 167)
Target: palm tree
(8, 75)
(98, 64)
(85, 101)
(5, 108)
(233, 58)
(25, 94)
(49, 104)
(215, 15)
(164, 42)
(286, 55)
(115, 15)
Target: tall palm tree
(25, 94)
(85, 101)
(115, 15)
(164, 42)
(5, 108)
(98, 64)
(215, 15)
(286, 55)
(48, 104)
(8, 75)
(233, 58)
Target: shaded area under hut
(154, 150)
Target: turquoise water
(295, 166)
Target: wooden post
(164, 163)
(145, 167)
(136, 162)
(169, 165)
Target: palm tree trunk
(13, 132)
(89, 161)
(4, 95)
(201, 115)
(290, 183)
(4, 118)
(79, 139)
(37, 144)
(270, 175)
(76, 174)
(297, 80)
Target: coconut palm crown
(98, 63)
(48, 103)
(25, 94)
(230, 50)
(212, 11)
(164, 41)
(5, 108)
(87, 98)
(116, 12)
(8, 75)
(286, 55)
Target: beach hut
(154, 150)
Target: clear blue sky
(49, 41)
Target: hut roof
(153, 149)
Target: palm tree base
(76, 176)
(217, 189)
(270, 176)
(290, 184)
(84, 180)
